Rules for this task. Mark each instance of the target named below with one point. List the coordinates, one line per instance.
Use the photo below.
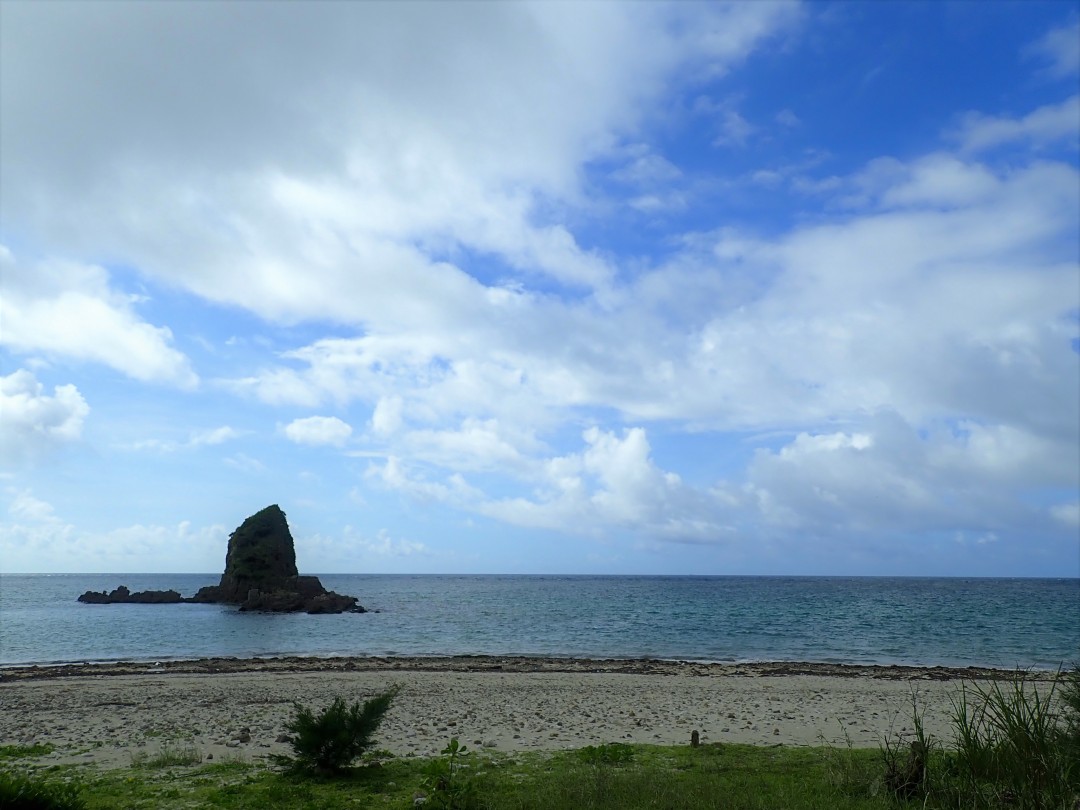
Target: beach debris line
(260, 575)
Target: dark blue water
(954, 622)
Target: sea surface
(860, 620)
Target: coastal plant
(848, 770)
(20, 751)
(329, 742)
(1017, 744)
(26, 792)
(907, 765)
(167, 757)
(444, 783)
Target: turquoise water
(869, 620)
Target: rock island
(260, 574)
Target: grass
(25, 751)
(167, 757)
(1015, 746)
(617, 776)
(21, 791)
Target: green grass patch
(168, 757)
(615, 776)
(22, 751)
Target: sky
(568, 288)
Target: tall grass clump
(329, 742)
(1013, 743)
(907, 772)
(1015, 746)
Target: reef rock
(260, 572)
(123, 596)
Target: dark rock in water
(260, 572)
(260, 575)
(123, 596)
(261, 557)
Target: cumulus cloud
(406, 186)
(383, 545)
(612, 483)
(889, 479)
(318, 430)
(35, 539)
(330, 229)
(1067, 513)
(208, 437)
(25, 507)
(35, 422)
(1047, 125)
(1059, 50)
(69, 310)
(214, 436)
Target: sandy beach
(107, 715)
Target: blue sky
(750, 288)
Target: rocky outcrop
(123, 596)
(260, 575)
(260, 572)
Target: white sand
(106, 720)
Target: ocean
(1003, 623)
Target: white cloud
(890, 479)
(54, 545)
(1042, 127)
(318, 430)
(386, 418)
(644, 167)
(1060, 49)
(732, 129)
(1067, 513)
(209, 437)
(613, 483)
(70, 310)
(787, 118)
(477, 444)
(26, 508)
(214, 436)
(950, 296)
(320, 216)
(383, 545)
(34, 422)
(245, 464)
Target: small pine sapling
(329, 742)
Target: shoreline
(13, 673)
(115, 715)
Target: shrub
(329, 742)
(446, 787)
(28, 793)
